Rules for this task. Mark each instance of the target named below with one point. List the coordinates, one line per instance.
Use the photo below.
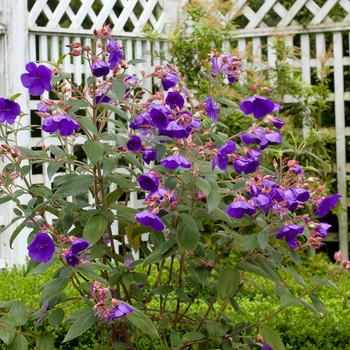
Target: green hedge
(299, 328)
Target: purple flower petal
(327, 205)
(9, 110)
(147, 218)
(170, 80)
(258, 105)
(148, 182)
(239, 208)
(134, 144)
(79, 245)
(37, 80)
(290, 233)
(173, 162)
(60, 122)
(99, 68)
(175, 99)
(41, 248)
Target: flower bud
(346, 264)
(338, 256)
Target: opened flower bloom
(37, 80)
(169, 80)
(9, 110)
(60, 122)
(99, 68)
(147, 218)
(290, 233)
(221, 158)
(41, 248)
(174, 99)
(148, 182)
(72, 259)
(79, 245)
(239, 208)
(120, 310)
(149, 155)
(258, 105)
(211, 109)
(134, 144)
(173, 162)
(115, 53)
(327, 205)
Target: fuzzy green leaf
(271, 337)
(142, 322)
(228, 283)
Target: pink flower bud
(338, 256)
(346, 264)
(253, 87)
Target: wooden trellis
(42, 31)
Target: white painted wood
(58, 13)
(321, 15)
(340, 143)
(263, 10)
(320, 52)
(305, 57)
(292, 13)
(315, 10)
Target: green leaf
(56, 318)
(27, 151)
(52, 288)
(18, 343)
(248, 242)
(45, 341)
(162, 290)
(109, 164)
(87, 271)
(175, 339)
(214, 329)
(114, 109)
(94, 150)
(53, 167)
(88, 124)
(81, 325)
(77, 103)
(310, 307)
(120, 180)
(263, 239)
(214, 199)
(288, 300)
(189, 222)
(227, 102)
(318, 303)
(119, 88)
(57, 151)
(193, 336)
(142, 322)
(75, 185)
(7, 331)
(136, 61)
(298, 279)
(19, 313)
(228, 283)
(203, 185)
(94, 228)
(114, 196)
(187, 239)
(261, 223)
(271, 337)
(17, 231)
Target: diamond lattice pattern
(123, 15)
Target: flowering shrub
(164, 146)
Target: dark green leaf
(7, 331)
(120, 180)
(263, 239)
(77, 103)
(228, 282)
(318, 303)
(189, 222)
(271, 337)
(109, 164)
(136, 61)
(248, 242)
(187, 239)
(298, 279)
(56, 318)
(142, 322)
(94, 228)
(57, 151)
(114, 109)
(214, 199)
(45, 341)
(193, 336)
(27, 151)
(53, 167)
(88, 124)
(17, 231)
(119, 88)
(88, 272)
(163, 290)
(81, 325)
(203, 185)
(19, 313)
(52, 288)
(94, 150)
(75, 185)
(18, 343)
(310, 307)
(175, 339)
(288, 300)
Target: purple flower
(225, 64)
(211, 109)
(159, 115)
(278, 123)
(72, 259)
(134, 144)
(41, 106)
(175, 99)
(120, 310)
(79, 245)
(9, 110)
(174, 130)
(127, 264)
(170, 80)
(322, 229)
(115, 53)
(61, 122)
(101, 94)
(290, 233)
(239, 208)
(173, 162)
(45, 307)
(149, 155)
(141, 120)
(221, 158)
(99, 68)
(147, 218)
(262, 200)
(41, 248)
(245, 165)
(267, 347)
(327, 205)
(148, 182)
(258, 105)
(37, 80)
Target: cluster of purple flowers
(77, 246)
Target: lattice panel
(272, 13)
(79, 15)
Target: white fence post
(14, 17)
